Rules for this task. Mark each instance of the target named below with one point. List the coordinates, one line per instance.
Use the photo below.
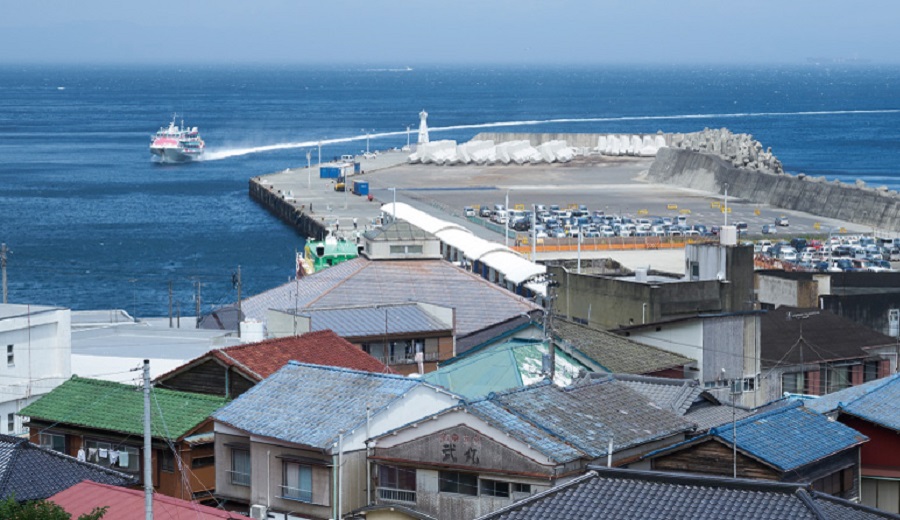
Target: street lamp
(319, 161)
(506, 229)
(407, 137)
(367, 140)
(308, 170)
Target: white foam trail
(214, 155)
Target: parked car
(782, 221)
(485, 212)
(470, 211)
(769, 229)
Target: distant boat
(177, 143)
(408, 68)
(60, 88)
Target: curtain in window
(298, 482)
(240, 466)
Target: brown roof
(262, 359)
(825, 337)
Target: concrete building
(717, 279)
(38, 348)
(726, 347)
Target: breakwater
(876, 207)
(603, 143)
(287, 209)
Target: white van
(500, 217)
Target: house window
(240, 467)
(793, 383)
(495, 488)
(118, 457)
(10, 356)
(406, 250)
(838, 378)
(396, 484)
(521, 488)
(203, 462)
(297, 482)
(166, 461)
(455, 482)
(11, 423)
(870, 372)
(52, 441)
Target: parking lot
(611, 186)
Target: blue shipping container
(357, 168)
(329, 172)
(360, 188)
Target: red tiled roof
(262, 359)
(128, 504)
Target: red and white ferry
(177, 143)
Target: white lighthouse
(423, 127)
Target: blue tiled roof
(876, 401)
(30, 472)
(309, 404)
(790, 437)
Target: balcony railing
(293, 493)
(239, 478)
(396, 495)
(402, 359)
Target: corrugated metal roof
(511, 264)
(309, 404)
(876, 401)
(502, 367)
(352, 322)
(128, 504)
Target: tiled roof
(826, 336)
(513, 364)
(116, 407)
(588, 413)
(29, 472)
(523, 430)
(350, 322)
(617, 494)
(616, 353)
(128, 504)
(309, 404)
(360, 282)
(262, 359)
(707, 415)
(675, 395)
(785, 438)
(877, 401)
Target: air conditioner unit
(277, 516)
(258, 512)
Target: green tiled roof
(116, 407)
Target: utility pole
(3, 252)
(238, 284)
(170, 304)
(308, 170)
(148, 478)
(198, 300)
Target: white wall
(685, 338)
(41, 340)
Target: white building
(38, 347)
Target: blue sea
(92, 223)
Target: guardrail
(610, 244)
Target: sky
(393, 32)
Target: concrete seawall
(287, 209)
(701, 171)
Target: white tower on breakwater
(423, 127)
